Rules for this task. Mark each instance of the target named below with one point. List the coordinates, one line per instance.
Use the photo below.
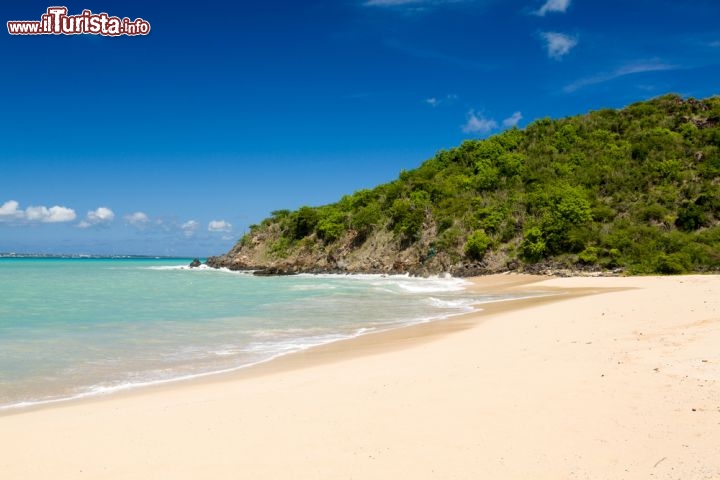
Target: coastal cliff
(635, 190)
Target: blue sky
(173, 143)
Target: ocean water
(71, 328)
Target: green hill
(637, 190)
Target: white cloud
(558, 44)
(219, 226)
(190, 227)
(54, 214)
(432, 101)
(10, 211)
(101, 216)
(60, 214)
(631, 69)
(512, 120)
(553, 6)
(137, 219)
(478, 124)
(36, 214)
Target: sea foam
(162, 321)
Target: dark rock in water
(195, 263)
(273, 271)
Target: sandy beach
(610, 378)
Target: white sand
(620, 385)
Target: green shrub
(654, 212)
(366, 218)
(672, 264)
(477, 244)
(486, 175)
(603, 213)
(564, 209)
(690, 217)
(511, 164)
(245, 239)
(331, 228)
(613, 258)
(566, 137)
(533, 247)
(280, 247)
(407, 218)
(443, 223)
(304, 223)
(279, 214)
(490, 219)
(589, 256)
(448, 240)
(408, 215)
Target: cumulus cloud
(137, 220)
(137, 217)
(558, 44)
(478, 124)
(54, 214)
(59, 214)
(512, 120)
(101, 216)
(190, 227)
(219, 226)
(553, 6)
(432, 101)
(11, 211)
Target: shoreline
(346, 347)
(623, 384)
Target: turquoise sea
(71, 328)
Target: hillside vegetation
(634, 190)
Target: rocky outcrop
(274, 271)
(379, 256)
(380, 253)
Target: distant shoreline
(79, 256)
